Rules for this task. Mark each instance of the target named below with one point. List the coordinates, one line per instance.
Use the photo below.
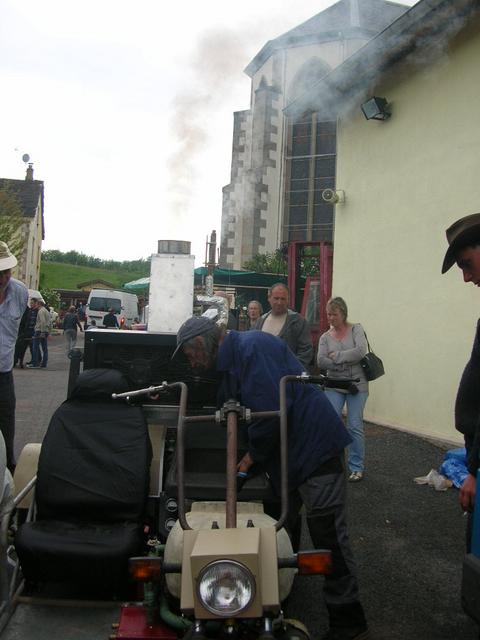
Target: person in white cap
(13, 302)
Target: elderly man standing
(463, 237)
(251, 364)
(40, 337)
(288, 325)
(13, 302)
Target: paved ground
(39, 392)
(408, 539)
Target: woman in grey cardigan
(340, 350)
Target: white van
(124, 305)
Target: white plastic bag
(435, 480)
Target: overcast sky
(126, 110)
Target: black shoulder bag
(371, 364)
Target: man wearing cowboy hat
(13, 302)
(463, 237)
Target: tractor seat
(91, 490)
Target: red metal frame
(133, 626)
(325, 257)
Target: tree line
(276, 262)
(81, 259)
(11, 221)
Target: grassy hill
(57, 275)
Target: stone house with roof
(280, 168)
(30, 196)
(406, 175)
(95, 284)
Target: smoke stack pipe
(212, 252)
(29, 175)
(213, 247)
(171, 286)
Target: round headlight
(225, 587)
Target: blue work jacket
(252, 364)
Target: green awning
(142, 284)
(239, 278)
(223, 277)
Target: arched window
(310, 164)
(310, 167)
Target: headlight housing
(225, 588)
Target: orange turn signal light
(147, 569)
(314, 562)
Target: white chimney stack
(171, 286)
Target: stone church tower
(279, 166)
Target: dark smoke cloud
(216, 64)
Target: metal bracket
(232, 406)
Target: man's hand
(467, 493)
(245, 463)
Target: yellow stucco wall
(405, 181)
(28, 267)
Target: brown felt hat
(462, 233)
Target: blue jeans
(355, 405)
(40, 349)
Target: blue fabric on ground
(458, 454)
(454, 466)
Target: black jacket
(110, 320)
(467, 406)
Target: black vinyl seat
(91, 491)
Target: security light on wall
(376, 109)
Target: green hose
(150, 592)
(150, 589)
(176, 622)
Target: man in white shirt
(13, 302)
(288, 325)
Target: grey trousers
(70, 336)
(324, 500)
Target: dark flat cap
(191, 328)
(462, 233)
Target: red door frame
(325, 276)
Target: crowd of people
(250, 364)
(36, 325)
(340, 351)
